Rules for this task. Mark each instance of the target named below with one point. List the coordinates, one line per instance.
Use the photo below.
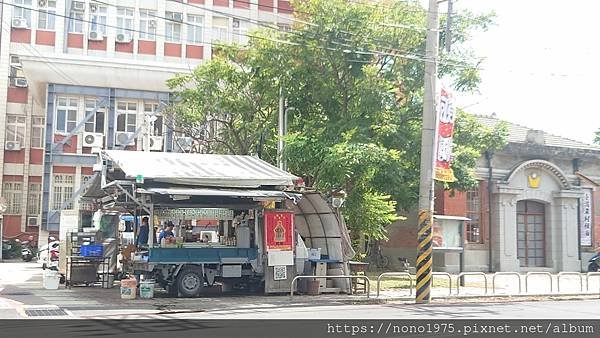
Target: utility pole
(281, 124)
(428, 147)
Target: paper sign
(279, 230)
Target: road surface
(22, 296)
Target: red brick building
(543, 208)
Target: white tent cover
(228, 171)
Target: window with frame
(195, 28)
(15, 128)
(473, 227)
(66, 114)
(13, 193)
(156, 126)
(239, 32)
(95, 124)
(172, 28)
(98, 18)
(76, 21)
(126, 116)
(34, 199)
(147, 24)
(63, 187)
(37, 132)
(47, 15)
(125, 21)
(23, 13)
(220, 31)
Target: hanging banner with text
(446, 116)
(586, 217)
(279, 230)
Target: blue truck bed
(222, 255)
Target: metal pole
(281, 125)
(448, 33)
(488, 156)
(428, 146)
(1, 235)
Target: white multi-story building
(78, 76)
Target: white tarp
(320, 227)
(233, 171)
(258, 194)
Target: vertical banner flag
(279, 230)
(586, 217)
(446, 116)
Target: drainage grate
(45, 312)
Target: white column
(564, 231)
(504, 218)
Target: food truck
(238, 222)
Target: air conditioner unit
(93, 8)
(178, 17)
(93, 140)
(19, 23)
(21, 82)
(15, 62)
(42, 3)
(337, 202)
(32, 221)
(12, 145)
(95, 36)
(123, 38)
(78, 6)
(125, 139)
(182, 144)
(152, 23)
(156, 142)
(236, 23)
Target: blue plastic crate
(92, 250)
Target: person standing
(143, 233)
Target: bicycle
(375, 255)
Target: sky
(540, 68)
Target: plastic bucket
(128, 288)
(51, 280)
(147, 289)
(312, 286)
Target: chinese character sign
(586, 218)
(446, 116)
(279, 230)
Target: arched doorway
(530, 233)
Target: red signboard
(446, 116)
(279, 230)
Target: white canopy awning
(227, 171)
(257, 194)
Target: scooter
(26, 251)
(594, 265)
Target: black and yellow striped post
(424, 257)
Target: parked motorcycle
(26, 251)
(594, 265)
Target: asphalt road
(21, 292)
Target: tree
(354, 74)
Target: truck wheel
(190, 282)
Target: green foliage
(356, 84)
(597, 137)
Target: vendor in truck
(166, 233)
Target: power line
(52, 67)
(395, 53)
